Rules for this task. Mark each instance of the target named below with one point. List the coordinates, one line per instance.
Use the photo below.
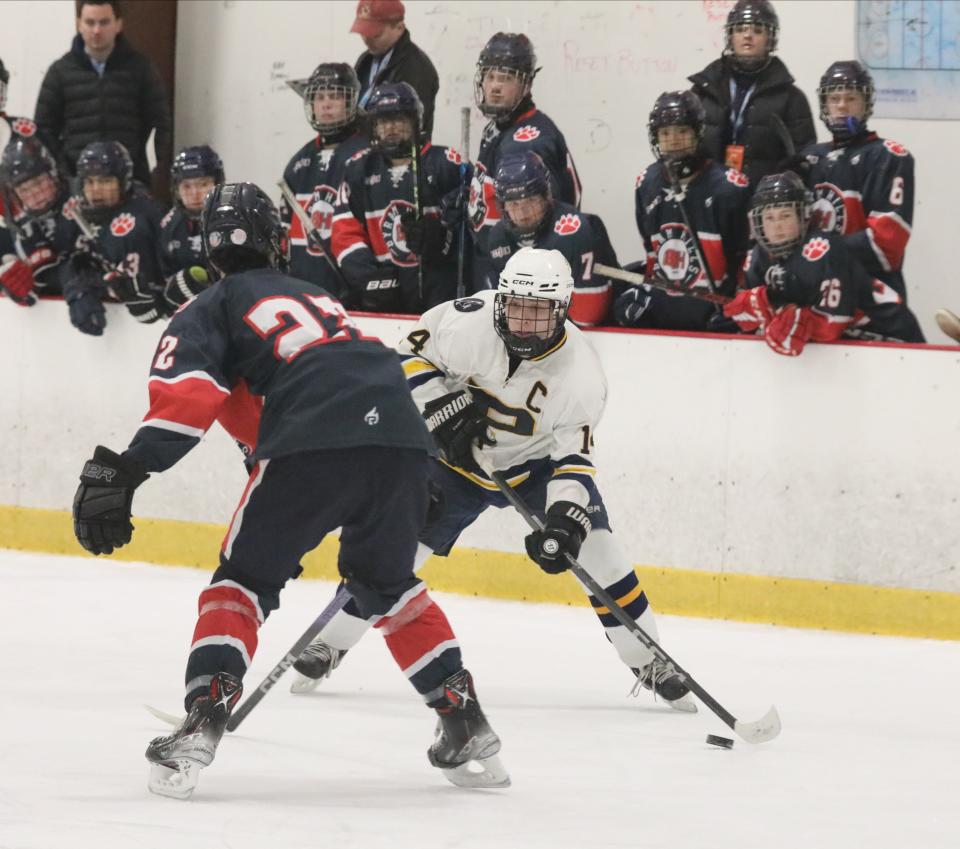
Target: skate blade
(301, 684)
(176, 782)
(685, 704)
(486, 772)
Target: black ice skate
(663, 681)
(316, 663)
(177, 758)
(466, 746)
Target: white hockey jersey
(546, 410)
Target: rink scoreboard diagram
(912, 48)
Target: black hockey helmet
(388, 100)
(678, 109)
(104, 159)
(338, 78)
(192, 162)
(25, 159)
(510, 52)
(242, 229)
(755, 13)
(846, 74)
(780, 190)
(518, 176)
(4, 80)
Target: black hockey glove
(380, 292)
(143, 302)
(456, 423)
(101, 507)
(86, 311)
(185, 284)
(563, 533)
(629, 308)
(426, 237)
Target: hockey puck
(722, 742)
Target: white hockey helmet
(532, 300)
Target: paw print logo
(24, 127)
(567, 224)
(123, 224)
(454, 156)
(815, 248)
(526, 134)
(896, 148)
(738, 178)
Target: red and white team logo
(454, 156)
(738, 178)
(123, 224)
(23, 127)
(320, 208)
(567, 224)
(896, 148)
(526, 133)
(393, 236)
(828, 211)
(815, 248)
(640, 179)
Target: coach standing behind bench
(104, 90)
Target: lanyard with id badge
(733, 155)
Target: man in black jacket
(104, 90)
(391, 57)
(755, 114)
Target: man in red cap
(391, 57)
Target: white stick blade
(163, 716)
(949, 324)
(760, 731)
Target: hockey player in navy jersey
(315, 172)
(393, 258)
(863, 185)
(35, 197)
(194, 173)
(804, 284)
(12, 127)
(715, 200)
(503, 91)
(530, 217)
(506, 383)
(284, 368)
(123, 260)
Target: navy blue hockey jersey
(261, 334)
(181, 243)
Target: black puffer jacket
(76, 106)
(774, 94)
(408, 64)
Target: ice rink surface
(869, 755)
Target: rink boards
(817, 492)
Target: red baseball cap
(373, 15)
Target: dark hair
(113, 4)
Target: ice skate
(316, 663)
(663, 681)
(176, 759)
(466, 746)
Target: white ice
(868, 756)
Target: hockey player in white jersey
(506, 383)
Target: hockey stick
(679, 193)
(759, 731)
(285, 663)
(465, 158)
(659, 283)
(416, 164)
(309, 230)
(949, 323)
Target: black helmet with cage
(846, 75)
(678, 109)
(780, 191)
(752, 13)
(339, 81)
(508, 53)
